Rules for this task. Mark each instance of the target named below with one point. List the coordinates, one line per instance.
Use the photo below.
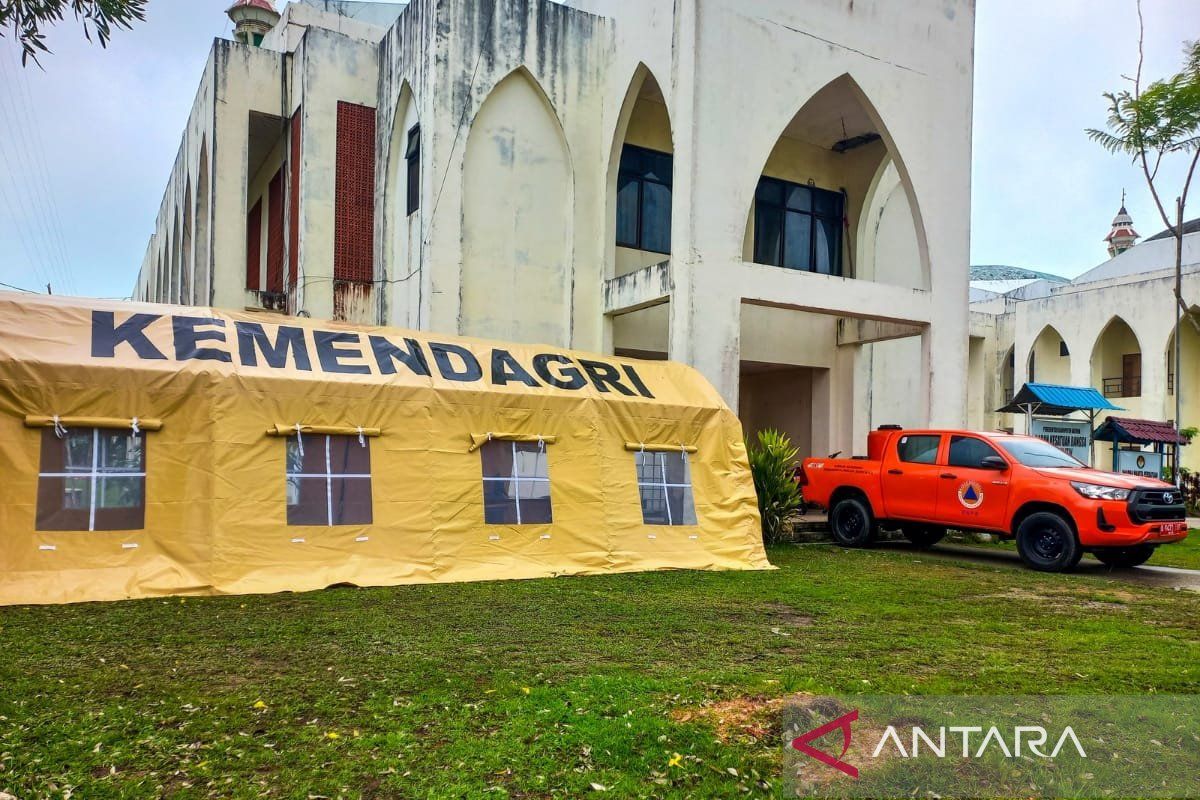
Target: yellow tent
(151, 450)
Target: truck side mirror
(993, 462)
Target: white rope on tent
(300, 439)
(136, 429)
(59, 430)
(361, 441)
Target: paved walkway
(1148, 575)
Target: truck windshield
(1037, 453)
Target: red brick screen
(354, 194)
(275, 234)
(253, 244)
(294, 204)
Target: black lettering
(636, 380)
(505, 369)
(106, 335)
(186, 337)
(330, 356)
(252, 339)
(471, 371)
(567, 378)
(604, 375)
(386, 353)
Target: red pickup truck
(925, 481)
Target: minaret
(1122, 236)
(252, 19)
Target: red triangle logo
(842, 723)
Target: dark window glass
(644, 199)
(665, 487)
(918, 449)
(516, 483)
(92, 479)
(798, 227)
(1062, 349)
(328, 480)
(967, 451)
(412, 155)
(1038, 453)
(768, 237)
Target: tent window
(328, 480)
(516, 483)
(92, 480)
(665, 486)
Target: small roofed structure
(1161, 436)
(252, 20)
(1056, 400)
(153, 450)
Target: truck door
(969, 495)
(910, 477)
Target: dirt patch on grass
(784, 614)
(742, 717)
(1070, 602)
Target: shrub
(773, 465)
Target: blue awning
(1055, 400)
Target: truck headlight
(1096, 492)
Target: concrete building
(1112, 328)
(776, 192)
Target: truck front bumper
(1112, 527)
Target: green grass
(1184, 554)
(541, 688)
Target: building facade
(774, 192)
(1112, 328)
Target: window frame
(640, 177)
(936, 451)
(94, 475)
(329, 476)
(978, 440)
(516, 479)
(689, 498)
(412, 158)
(782, 209)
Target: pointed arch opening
(518, 198)
(1117, 360)
(1187, 381)
(834, 197)
(640, 178)
(187, 255)
(203, 270)
(173, 284)
(402, 215)
(1049, 358)
(1008, 364)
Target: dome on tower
(252, 19)
(1122, 236)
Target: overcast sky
(87, 143)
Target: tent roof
(74, 333)
(1138, 431)
(1057, 401)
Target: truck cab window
(918, 449)
(967, 451)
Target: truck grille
(1156, 505)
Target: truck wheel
(923, 535)
(1047, 543)
(1124, 557)
(852, 523)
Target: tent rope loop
(59, 430)
(541, 444)
(361, 441)
(133, 423)
(299, 439)
(683, 451)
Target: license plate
(1173, 527)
